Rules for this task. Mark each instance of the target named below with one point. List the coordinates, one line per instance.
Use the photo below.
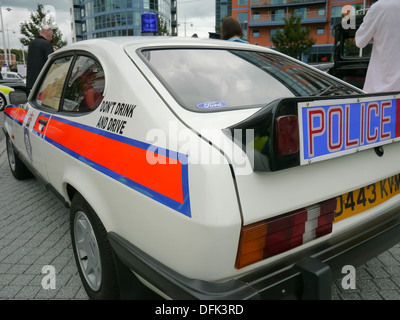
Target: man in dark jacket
(38, 51)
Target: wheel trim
(2, 102)
(11, 155)
(87, 251)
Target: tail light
(275, 136)
(287, 135)
(270, 237)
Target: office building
(223, 8)
(92, 19)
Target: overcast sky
(199, 16)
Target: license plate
(333, 128)
(367, 197)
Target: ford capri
(204, 169)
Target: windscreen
(209, 79)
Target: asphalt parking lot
(35, 241)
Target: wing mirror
(18, 97)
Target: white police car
(4, 100)
(208, 169)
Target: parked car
(12, 77)
(4, 100)
(207, 169)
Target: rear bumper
(308, 275)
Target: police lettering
(349, 126)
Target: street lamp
(9, 45)
(23, 55)
(8, 41)
(191, 24)
(4, 38)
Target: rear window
(209, 80)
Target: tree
(162, 27)
(31, 29)
(294, 40)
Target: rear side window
(207, 80)
(85, 87)
(78, 90)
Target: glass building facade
(92, 19)
(223, 8)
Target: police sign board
(332, 128)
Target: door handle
(42, 121)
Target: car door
(70, 128)
(43, 103)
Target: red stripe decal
(16, 113)
(122, 158)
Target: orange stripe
(16, 113)
(124, 159)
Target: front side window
(50, 91)
(206, 80)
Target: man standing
(382, 24)
(38, 51)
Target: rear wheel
(92, 250)
(18, 168)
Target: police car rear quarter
(352, 180)
(212, 226)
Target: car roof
(151, 41)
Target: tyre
(92, 251)
(18, 168)
(3, 102)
